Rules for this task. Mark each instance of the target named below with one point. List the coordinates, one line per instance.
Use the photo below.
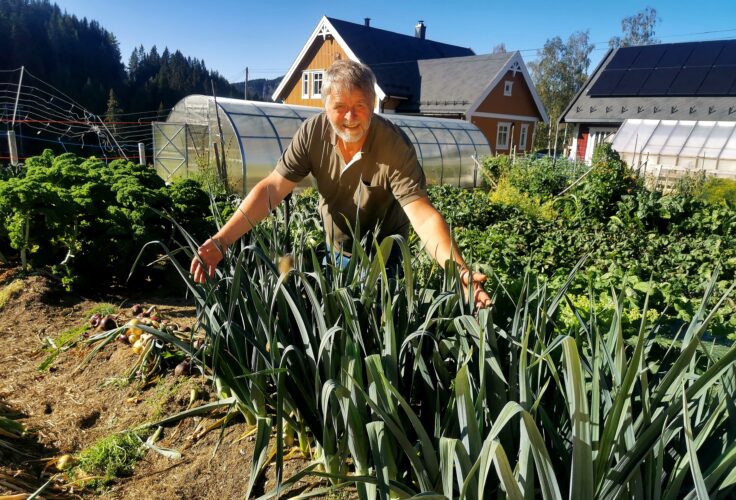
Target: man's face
(349, 113)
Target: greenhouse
(660, 146)
(246, 138)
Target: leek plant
(403, 391)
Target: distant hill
(260, 89)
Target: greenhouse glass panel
(286, 128)
(469, 174)
(432, 163)
(717, 140)
(729, 150)
(261, 156)
(694, 145)
(451, 164)
(677, 138)
(252, 126)
(478, 138)
(659, 139)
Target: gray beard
(347, 137)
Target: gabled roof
(377, 46)
(372, 46)
(455, 85)
(675, 81)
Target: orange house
(416, 76)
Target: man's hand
(482, 300)
(211, 253)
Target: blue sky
(266, 36)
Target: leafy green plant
(87, 219)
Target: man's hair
(348, 75)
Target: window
(507, 87)
(305, 85)
(502, 136)
(523, 133)
(317, 84)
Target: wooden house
(417, 76)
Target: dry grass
(10, 291)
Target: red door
(582, 143)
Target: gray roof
(440, 86)
(614, 109)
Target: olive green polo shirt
(373, 187)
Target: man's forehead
(342, 94)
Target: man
(366, 170)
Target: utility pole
(246, 83)
(12, 146)
(222, 174)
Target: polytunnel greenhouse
(250, 137)
(678, 145)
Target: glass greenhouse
(254, 135)
(679, 145)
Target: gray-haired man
(365, 169)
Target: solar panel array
(677, 69)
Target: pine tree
(113, 110)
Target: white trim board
(324, 27)
(481, 114)
(514, 63)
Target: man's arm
(432, 229)
(256, 206)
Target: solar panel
(687, 82)
(623, 58)
(649, 56)
(659, 82)
(718, 81)
(704, 54)
(675, 55)
(606, 82)
(727, 57)
(631, 82)
(678, 69)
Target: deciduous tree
(638, 29)
(559, 72)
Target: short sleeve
(294, 164)
(407, 179)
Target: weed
(111, 457)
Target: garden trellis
(39, 115)
(255, 134)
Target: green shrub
(717, 190)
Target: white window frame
(505, 145)
(507, 87)
(523, 136)
(305, 84)
(315, 80)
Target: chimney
(420, 30)
(367, 22)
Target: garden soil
(66, 410)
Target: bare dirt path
(66, 410)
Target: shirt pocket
(370, 200)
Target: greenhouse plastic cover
(690, 145)
(255, 135)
